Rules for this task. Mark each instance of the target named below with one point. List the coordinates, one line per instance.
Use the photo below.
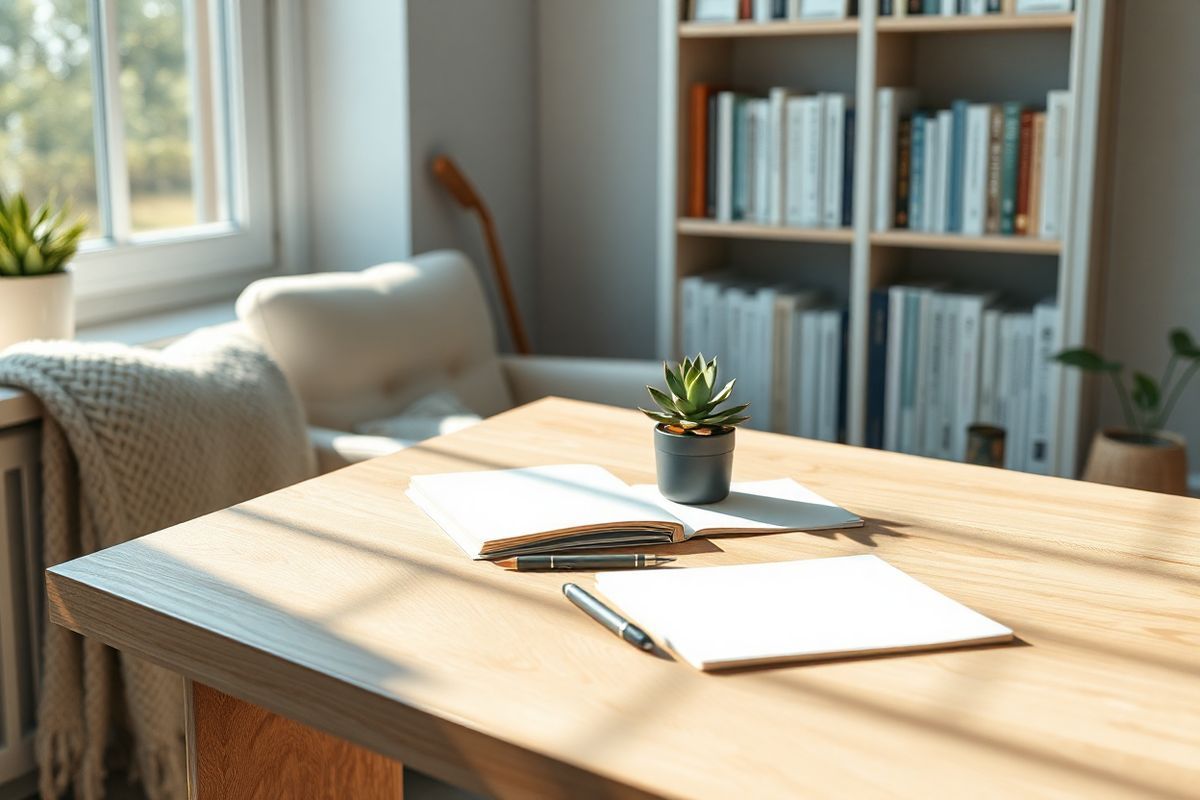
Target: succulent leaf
(39, 242)
(690, 405)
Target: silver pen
(608, 618)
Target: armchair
(362, 346)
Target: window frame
(129, 273)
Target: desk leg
(239, 750)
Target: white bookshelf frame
(686, 48)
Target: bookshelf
(994, 58)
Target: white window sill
(17, 407)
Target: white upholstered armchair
(365, 346)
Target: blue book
(958, 149)
(877, 348)
(931, 6)
(848, 171)
(916, 197)
(741, 172)
(1009, 156)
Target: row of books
(782, 159)
(950, 8)
(767, 10)
(776, 10)
(975, 169)
(785, 346)
(940, 361)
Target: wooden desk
(336, 603)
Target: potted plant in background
(35, 284)
(1141, 455)
(693, 440)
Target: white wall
(1153, 281)
(472, 94)
(357, 113)
(597, 117)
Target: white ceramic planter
(36, 307)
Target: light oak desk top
(339, 604)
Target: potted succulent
(1141, 455)
(693, 440)
(35, 283)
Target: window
(150, 117)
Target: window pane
(169, 98)
(46, 122)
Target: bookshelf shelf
(943, 59)
(734, 30)
(690, 226)
(992, 22)
(979, 244)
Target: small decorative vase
(36, 307)
(1156, 462)
(693, 469)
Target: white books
(805, 158)
(827, 398)
(726, 107)
(1043, 388)
(986, 407)
(776, 153)
(1043, 6)
(781, 369)
(932, 360)
(762, 354)
(890, 104)
(949, 8)
(975, 169)
(810, 372)
(1016, 400)
(691, 291)
(913, 415)
(719, 617)
(834, 109)
(762, 10)
(715, 11)
(928, 176)
(976, 7)
(822, 9)
(941, 170)
(570, 506)
(1058, 123)
(897, 297)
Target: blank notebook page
(716, 617)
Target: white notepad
(553, 509)
(719, 617)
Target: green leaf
(1183, 345)
(674, 382)
(1145, 392)
(1088, 360)
(654, 415)
(664, 401)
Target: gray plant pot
(693, 469)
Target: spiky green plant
(37, 243)
(689, 405)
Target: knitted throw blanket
(133, 441)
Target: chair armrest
(614, 381)
(337, 449)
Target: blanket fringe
(57, 754)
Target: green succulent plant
(1150, 403)
(689, 406)
(37, 243)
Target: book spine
(929, 175)
(885, 159)
(1043, 396)
(762, 10)
(698, 149)
(793, 158)
(779, 9)
(914, 6)
(741, 153)
(726, 111)
(1024, 156)
(833, 140)
(995, 159)
(970, 343)
(910, 433)
(1009, 166)
(932, 360)
(1057, 123)
(745, 9)
(810, 366)
(777, 143)
(945, 140)
(749, 162)
(781, 364)
(903, 163)
(916, 176)
(831, 327)
(843, 375)
(877, 352)
(958, 144)
(762, 160)
(1036, 159)
(993, 6)
(974, 200)
(848, 170)
(931, 7)
(885, 8)
(811, 162)
(897, 304)
(985, 406)
(712, 145)
(949, 375)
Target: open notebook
(719, 617)
(502, 513)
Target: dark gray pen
(607, 617)
(608, 561)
